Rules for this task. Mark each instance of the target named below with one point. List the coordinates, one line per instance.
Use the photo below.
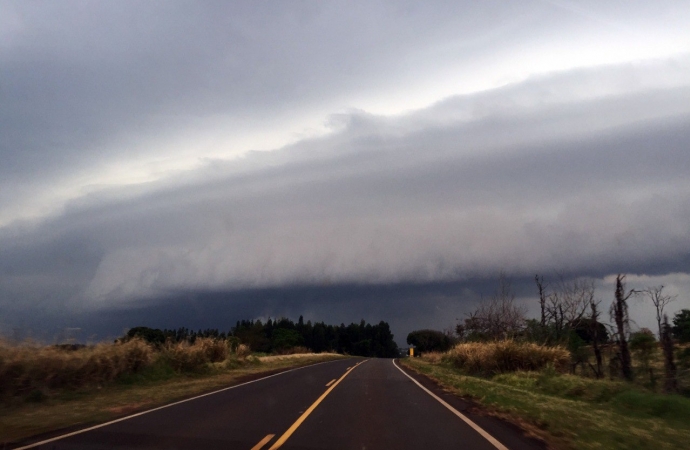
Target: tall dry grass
(185, 357)
(242, 351)
(504, 356)
(285, 356)
(29, 367)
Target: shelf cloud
(149, 152)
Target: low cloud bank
(520, 179)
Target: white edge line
(121, 419)
(465, 419)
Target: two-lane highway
(379, 407)
(344, 404)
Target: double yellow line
(281, 440)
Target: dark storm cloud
(405, 306)
(379, 204)
(574, 168)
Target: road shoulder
(510, 434)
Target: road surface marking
(57, 438)
(465, 419)
(302, 418)
(330, 382)
(263, 442)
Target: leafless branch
(659, 300)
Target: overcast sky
(376, 160)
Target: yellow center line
(263, 442)
(330, 382)
(306, 413)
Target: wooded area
(283, 336)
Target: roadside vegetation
(570, 411)
(569, 377)
(504, 356)
(49, 387)
(32, 373)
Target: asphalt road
(344, 404)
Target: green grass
(569, 411)
(155, 385)
(160, 370)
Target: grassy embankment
(527, 386)
(45, 388)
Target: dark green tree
(587, 329)
(150, 335)
(430, 341)
(681, 325)
(284, 338)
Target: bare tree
(659, 300)
(542, 299)
(594, 324)
(576, 295)
(555, 315)
(499, 317)
(670, 379)
(619, 314)
(564, 307)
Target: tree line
(571, 316)
(281, 335)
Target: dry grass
(29, 368)
(242, 351)
(503, 356)
(293, 350)
(32, 371)
(433, 357)
(185, 357)
(294, 356)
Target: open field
(569, 411)
(159, 381)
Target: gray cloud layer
(88, 87)
(378, 202)
(583, 170)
